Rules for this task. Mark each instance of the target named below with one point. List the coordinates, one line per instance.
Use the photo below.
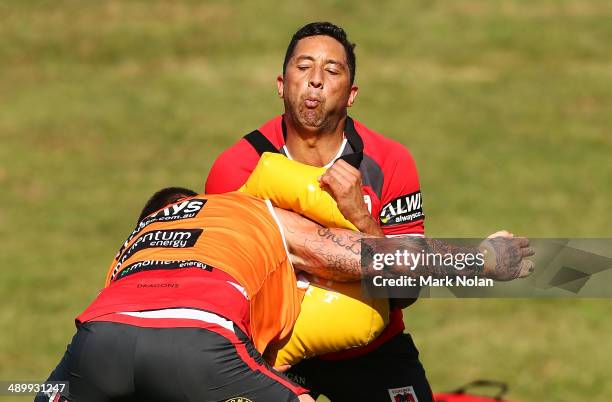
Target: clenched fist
(505, 256)
(343, 182)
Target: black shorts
(391, 372)
(108, 361)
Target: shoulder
(382, 149)
(401, 207)
(389, 154)
(231, 169)
(233, 166)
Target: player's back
(233, 233)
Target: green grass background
(505, 105)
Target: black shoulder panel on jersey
(372, 175)
(260, 142)
(356, 142)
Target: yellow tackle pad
(294, 186)
(334, 316)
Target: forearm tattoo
(429, 254)
(350, 243)
(333, 254)
(336, 254)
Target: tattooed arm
(336, 253)
(502, 257)
(327, 253)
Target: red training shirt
(390, 188)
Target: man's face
(316, 87)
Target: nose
(316, 79)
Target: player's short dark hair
(326, 29)
(164, 197)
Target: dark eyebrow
(304, 57)
(328, 61)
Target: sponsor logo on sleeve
(176, 212)
(404, 209)
(170, 238)
(404, 394)
(148, 265)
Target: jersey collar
(350, 135)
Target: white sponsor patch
(368, 202)
(404, 394)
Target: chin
(312, 122)
(313, 126)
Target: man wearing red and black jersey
(372, 178)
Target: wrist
(367, 224)
(490, 261)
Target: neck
(314, 147)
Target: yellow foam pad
(294, 186)
(334, 316)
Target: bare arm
(327, 253)
(336, 253)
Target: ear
(352, 95)
(280, 85)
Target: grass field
(505, 105)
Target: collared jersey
(389, 176)
(390, 180)
(211, 252)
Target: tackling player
(199, 289)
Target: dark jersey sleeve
(402, 205)
(232, 168)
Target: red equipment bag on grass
(461, 395)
